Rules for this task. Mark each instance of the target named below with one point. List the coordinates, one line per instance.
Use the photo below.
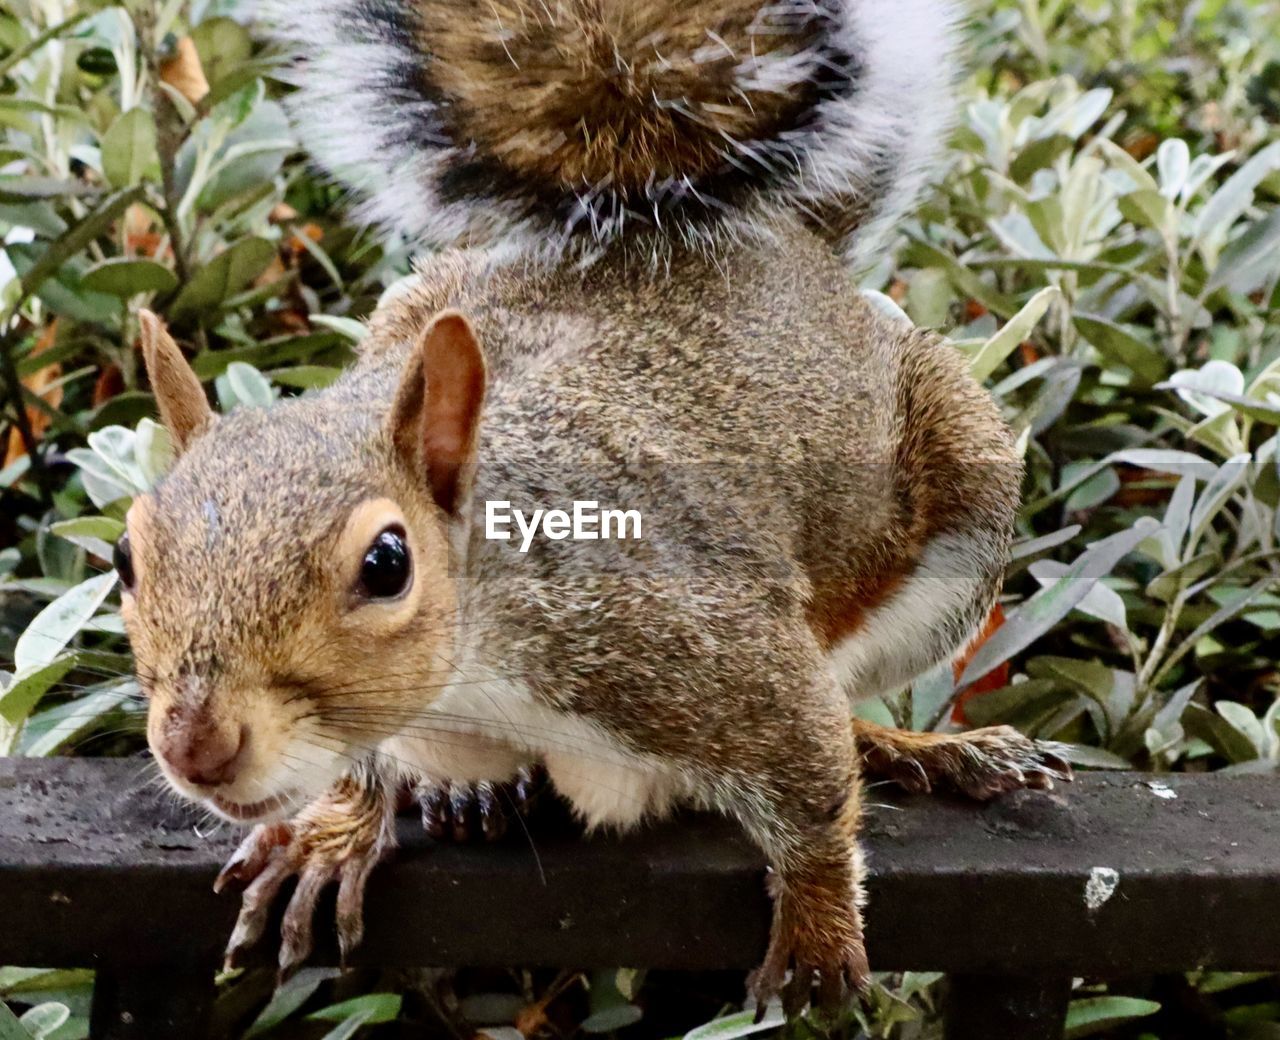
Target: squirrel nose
(202, 753)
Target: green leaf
(926, 254)
(252, 156)
(1110, 688)
(357, 330)
(1004, 342)
(27, 189)
(10, 1027)
(1245, 721)
(103, 483)
(1237, 604)
(1029, 547)
(152, 451)
(929, 297)
(1257, 410)
(78, 237)
(48, 732)
(1173, 160)
(24, 692)
(1094, 491)
(611, 1019)
(1236, 195)
(225, 275)
(55, 626)
(24, 982)
(129, 149)
(1221, 981)
(1177, 516)
(1167, 585)
(1119, 344)
(244, 386)
(124, 278)
(1119, 157)
(42, 1020)
(20, 54)
(1165, 460)
(1246, 253)
(1038, 154)
(1096, 1014)
(1170, 712)
(348, 1029)
(742, 1024)
(102, 527)
(95, 534)
(930, 697)
(1092, 757)
(305, 377)
(1146, 208)
(376, 1007)
(289, 997)
(224, 46)
(116, 446)
(1049, 606)
(1217, 493)
(1099, 602)
(1218, 733)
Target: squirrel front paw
(460, 811)
(817, 937)
(341, 837)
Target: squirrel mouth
(245, 812)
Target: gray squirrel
(641, 215)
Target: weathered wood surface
(99, 866)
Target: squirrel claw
(1000, 759)
(340, 838)
(252, 855)
(801, 952)
(981, 764)
(458, 811)
(836, 987)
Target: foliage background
(1105, 247)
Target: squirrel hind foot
(981, 764)
(817, 937)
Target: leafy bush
(1106, 249)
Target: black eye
(122, 560)
(387, 568)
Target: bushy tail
(563, 124)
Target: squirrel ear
(436, 415)
(184, 409)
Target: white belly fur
(487, 729)
(928, 620)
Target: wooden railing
(1110, 876)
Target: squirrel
(321, 611)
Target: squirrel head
(287, 586)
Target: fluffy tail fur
(556, 125)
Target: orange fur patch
(836, 614)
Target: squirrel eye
(387, 568)
(122, 560)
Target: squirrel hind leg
(801, 800)
(981, 764)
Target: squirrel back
(547, 127)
